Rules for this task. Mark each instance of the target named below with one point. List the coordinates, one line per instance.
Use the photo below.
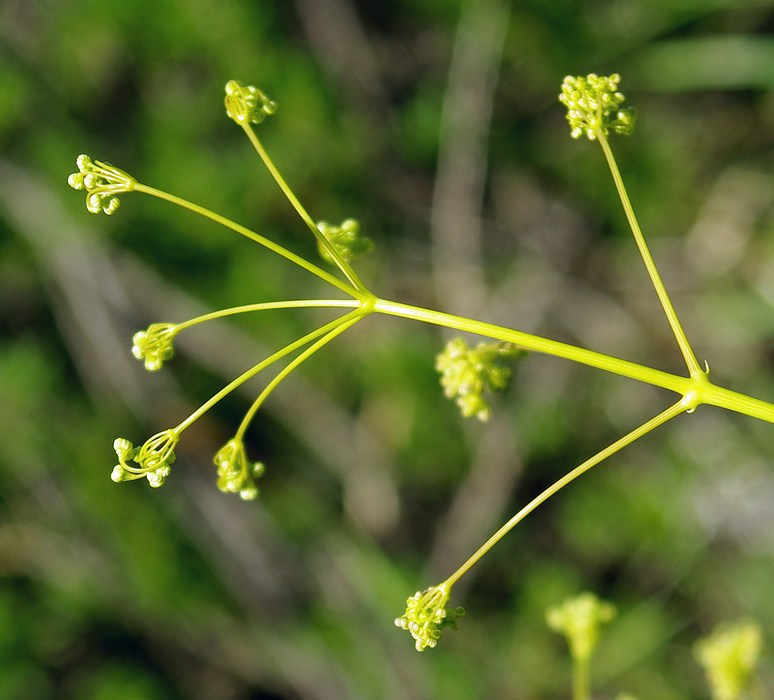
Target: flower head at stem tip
(579, 620)
(154, 345)
(468, 375)
(730, 656)
(154, 459)
(345, 240)
(426, 616)
(235, 473)
(246, 104)
(102, 182)
(594, 106)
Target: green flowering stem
(698, 387)
(357, 293)
(345, 323)
(579, 619)
(250, 373)
(730, 656)
(650, 265)
(674, 410)
(334, 254)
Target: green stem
(291, 366)
(527, 341)
(356, 293)
(581, 681)
(674, 410)
(650, 265)
(268, 306)
(342, 264)
(242, 378)
(697, 389)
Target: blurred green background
(435, 123)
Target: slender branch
(342, 264)
(242, 378)
(291, 366)
(269, 306)
(558, 485)
(271, 245)
(674, 322)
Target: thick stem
(697, 389)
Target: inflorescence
(427, 616)
(594, 106)
(468, 375)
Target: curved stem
(271, 245)
(268, 306)
(342, 264)
(558, 485)
(650, 265)
(343, 326)
(242, 378)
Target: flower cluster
(154, 345)
(468, 374)
(345, 238)
(426, 616)
(102, 182)
(730, 655)
(154, 458)
(235, 473)
(579, 620)
(245, 103)
(594, 106)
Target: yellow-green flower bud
(154, 345)
(427, 615)
(245, 103)
(579, 620)
(345, 238)
(235, 473)
(467, 374)
(594, 106)
(102, 182)
(730, 656)
(153, 459)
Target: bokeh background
(435, 123)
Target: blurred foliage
(375, 487)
